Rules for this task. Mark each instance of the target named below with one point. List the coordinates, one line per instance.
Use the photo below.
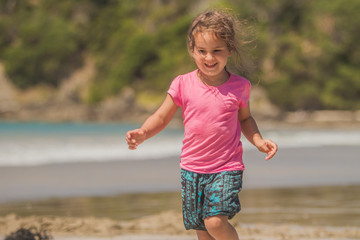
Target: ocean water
(28, 144)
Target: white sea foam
(34, 144)
(314, 137)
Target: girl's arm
(252, 133)
(153, 125)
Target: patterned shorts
(206, 195)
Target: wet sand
(310, 213)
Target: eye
(202, 52)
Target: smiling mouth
(210, 65)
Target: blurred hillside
(107, 60)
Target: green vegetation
(38, 44)
(307, 52)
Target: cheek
(194, 55)
(197, 57)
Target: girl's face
(210, 54)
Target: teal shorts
(206, 195)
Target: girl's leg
(204, 235)
(220, 229)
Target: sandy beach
(304, 193)
(166, 225)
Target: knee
(216, 222)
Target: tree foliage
(144, 47)
(41, 46)
(307, 52)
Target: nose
(209, 56)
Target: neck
(214, 80)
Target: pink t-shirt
(212, 129)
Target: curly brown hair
(220, 22)
(226, 26)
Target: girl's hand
(135, 137)
(268, 147)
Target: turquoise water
(24, 144)
(35, 143)
(39, 128)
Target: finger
(272, 150)
(132, 133)
(132, 146)
(129, 134)
(130, 140)
(270, 155)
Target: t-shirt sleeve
(245, 93)
(175, 91)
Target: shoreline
(304, 166)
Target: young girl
(215, 110)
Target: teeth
(210, 65)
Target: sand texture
(166, 225)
